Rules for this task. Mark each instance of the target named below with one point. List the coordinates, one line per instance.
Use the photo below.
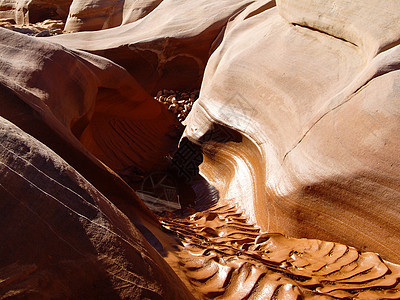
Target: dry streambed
(224, 257)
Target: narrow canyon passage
(181, 149)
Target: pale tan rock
(372, 25)
(162, 50)
(318, 116)
(302, 99)
(33, 11)
(87, 15)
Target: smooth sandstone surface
(71, 198)
(62, 238)
(319, 118)
(91, 88)
(88, 15)
(162, 50)
(298, 121)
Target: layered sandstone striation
(33, 11)
(30, 98)
(297, 119)
(62, 238)
(162, 50)
(92, 88)
(224, 256)
(89, 15)
(313, 88)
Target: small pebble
(180, 103)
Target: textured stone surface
(92, 88)
(226, 257)
(298, 119)
(86, 15)
(61, 238)
(33, 11)
(319, 116)
(51, 200)
(162, 50)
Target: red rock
(61, 238)
(297, 118)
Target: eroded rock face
(87, 15)
(28, 11)
(92, 88)
(297, 118)
(62, 238)
(314, 90)
(226, 257)
(162, 50)
(64, 233)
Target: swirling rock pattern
(298, 119)
(159, 50)
(313, 88)
(89, 15)
(61, 208)
(223, 256)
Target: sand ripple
(225, 257)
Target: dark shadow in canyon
(182, 183)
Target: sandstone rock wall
(64, 233)
(163, 49)
(90, 15)
(298, 119)
(280, 73)
(314, 93)
(61, 238)
(91, 88)
(33, 11)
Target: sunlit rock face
(33, 11)
(162, 50)
(87, 15)
(313, 87)
(297, 119)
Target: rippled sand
(223, 256)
